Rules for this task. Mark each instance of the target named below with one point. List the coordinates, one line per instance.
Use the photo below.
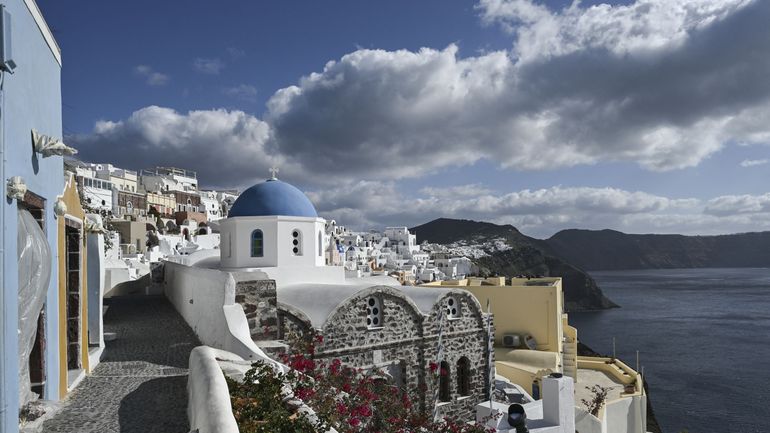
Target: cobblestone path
(140, 385)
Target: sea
(703, 337)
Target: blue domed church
(274, 225)
(272, 277)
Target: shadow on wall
(133, 287)
(149, 409)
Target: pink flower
(341, 408)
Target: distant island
(506, 251)
(609, 250)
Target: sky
(645, 116)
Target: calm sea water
(704, 342)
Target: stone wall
(406, 344)
(259, 302)
(465, 336)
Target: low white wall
(627, 415)
(624, 415)
(587, 423)
(205, 298)
(209, 409)
(208, 398)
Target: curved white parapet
(205, 298)
(208, 398)
(208, 407)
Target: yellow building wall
(74, 209)
(520, 309)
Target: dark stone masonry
(141, 384)
(406, 344)
(258, 299)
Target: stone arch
(291, 318)
(383, 292)
(472, 303)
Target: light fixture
(60, 208)
(517, 418)
(16, 188)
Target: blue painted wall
(31, 98)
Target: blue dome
(270, 198)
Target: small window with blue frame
(256, 243)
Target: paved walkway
(140, 385)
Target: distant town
(160, 212)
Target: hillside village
(137, 301)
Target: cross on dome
(274, 172)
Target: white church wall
(308, 229)
(205, 298)
(277, 241)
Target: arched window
(464, 376)
(444, 392)
(256, 243)
(373, 312)
(320, 244)
(296, 242)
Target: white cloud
(244, 92)
(639, 28)
(664, 84)
(754, 162)
(211, 66)
(226, 148)
(235, 53)
(541, 212)
(152, 77)
(739, 204)
(457, 191)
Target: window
(452, 308)
(296, 242)
(320, 245)
(464, 376)
(256, 243)
(373, 312)
(444, 392)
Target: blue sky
(645, 116)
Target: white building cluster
(116, 192)
(393, 252)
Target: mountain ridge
(607, 250)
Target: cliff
(508, 252)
